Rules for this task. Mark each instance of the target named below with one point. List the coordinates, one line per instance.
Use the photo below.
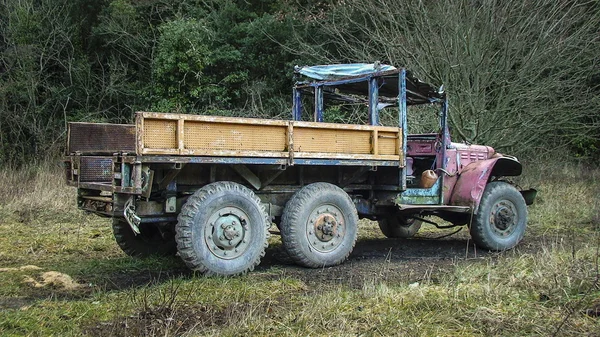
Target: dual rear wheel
(223, 228)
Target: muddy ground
(374, 259)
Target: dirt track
(374, 259)
(377, 258)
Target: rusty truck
(208, 188)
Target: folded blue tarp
(335, 71)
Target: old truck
(209, 188)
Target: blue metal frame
(264, 161)
(297, 105)
(373, 81)
(422, 196)
(318, 103)
(445, 142)
(402, 124)
(373, 100)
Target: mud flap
(529, 196)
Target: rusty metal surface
(96, 169)
(471, 183)
(100, 138)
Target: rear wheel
(501, 219)
(222, 230)
(319, 226)
(399, 226)
(152, 240)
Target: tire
(150, 241)
(222, 230)
(319, 226)
(501, 219)
(397, 226)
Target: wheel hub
(325, 228)
(227, 233)
(503, 217)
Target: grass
(544, 287)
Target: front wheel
(222, 230)
(501, 219)
(398, 226)
(319, 226)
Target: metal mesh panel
(95, 169)
(101, 138)
(160, 134)
(332, 141)
(240, 137)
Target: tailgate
(100, 138)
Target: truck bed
(185, 135)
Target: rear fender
(474, 177)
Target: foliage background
(523, 76)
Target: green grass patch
(546, 285)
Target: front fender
(474, 177)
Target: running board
(457, 209)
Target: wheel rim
(504, 218)
(325, 228)
(228, 232)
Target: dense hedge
(522, 76)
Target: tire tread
(291, 220)
(185, 222)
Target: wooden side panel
(332, 140)
(160, 134)
(235, 137)
(174, 134)
(388, 143)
